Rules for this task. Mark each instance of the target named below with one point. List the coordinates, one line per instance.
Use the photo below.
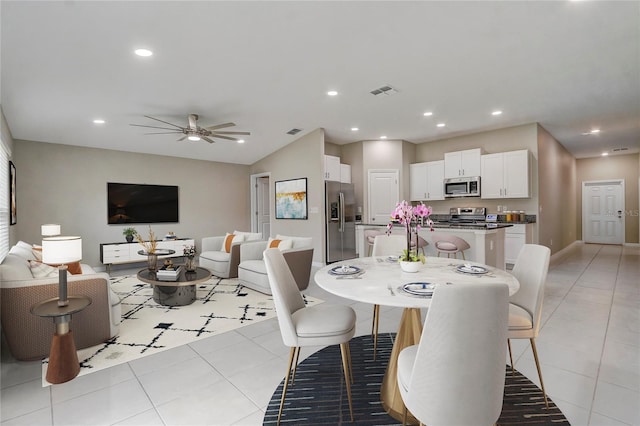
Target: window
(4, 200)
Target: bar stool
(450, 244)
(370, 235)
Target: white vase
(410, 266)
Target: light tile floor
(589, 347)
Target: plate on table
(423, 289)
(472, 269)
(393, 259)
(345, 270)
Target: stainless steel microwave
(462, 187)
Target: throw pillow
(249, 236)
(281, 244)
(37, 252)
(42, 270)
(229, 239)
(22, 252)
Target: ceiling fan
(194, 132)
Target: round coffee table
(180, 292)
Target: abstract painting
(291, 199)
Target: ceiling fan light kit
(194, 132)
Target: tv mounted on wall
(140, 203)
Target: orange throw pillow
(227, 242)
(74, 268)
(274, 243)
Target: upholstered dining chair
(370, 236)
(323, 324)
(525, 307)
(450, 244)
(384, 245)
(455, 375)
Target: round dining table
(380, 281)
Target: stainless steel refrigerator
(341, 226)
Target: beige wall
(301, 158)
(612, 167)
(502, 140)
(67, 185)
(557, 197)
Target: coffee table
(175, 293)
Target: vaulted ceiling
(572, 66)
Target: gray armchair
(221, 263)
(252, 271)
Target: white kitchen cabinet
(515, 237)
(345, 173)
(462, 163)
(506, 175)
(332, 168)
(426, 181)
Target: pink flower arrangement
(410, 216)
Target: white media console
(117, 253)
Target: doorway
(261, 204)
(384, 193)
(603, 212)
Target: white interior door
(263, 212)
(603, 212)
(384, 193)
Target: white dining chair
(319, 325)
(384, 245)
(525, 307)
(370, 235)
(455, 375)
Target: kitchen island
(486, 240)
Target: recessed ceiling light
(604, 154)
(143, 52)
(354, 129)
(440, 124)
(428, 114)
(332, 93)
(496, 113)
(383, 137)
(594, 131)
(98, 121)
(194, 138)
(240, 140)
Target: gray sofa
(252, 271)
(29, 336)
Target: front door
(262, 213)
(384, 193)
(603, 212)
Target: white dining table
(380, 281)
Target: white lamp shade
(58, 250)
(50, 230)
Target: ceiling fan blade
(224, 137)
(154, 127)
(162, 133)
(231, 133)
(162, 121)
(220, 126)
(182, 138)
(208, 140)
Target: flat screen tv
(139, 203)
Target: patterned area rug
(147, 328)
(318, 395)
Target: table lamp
(50, 230)
(60, 251)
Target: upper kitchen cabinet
(426, 181)
(462, 163)
(506, 175)
(345, 173)
(331, 168)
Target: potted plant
(129, 233)
(411, 216)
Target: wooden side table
(63, 358)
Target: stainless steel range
(467, 215)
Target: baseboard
(557, 256)
(631, 244)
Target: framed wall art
(12, 193)
(291, 199)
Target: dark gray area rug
(318, 395)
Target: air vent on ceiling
(619, 149)
(294, 131)
(384, 90)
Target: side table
(63, 358)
